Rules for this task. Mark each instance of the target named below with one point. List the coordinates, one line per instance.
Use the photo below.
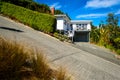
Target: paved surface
(82, 64)
(98, 51)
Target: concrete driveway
(82, 64)
(97, 51)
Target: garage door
(81, 37)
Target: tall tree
(30, 4)
(112, 24)
(112, 20)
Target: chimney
(52, 10)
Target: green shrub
(117, 42)
(61, 37)
(118, 51)
(39, 21)
(95, 35)
(56, 35)
(110, 47)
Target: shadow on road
(11, 29)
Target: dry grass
(20, 63)
(62, 75)
(12, 57)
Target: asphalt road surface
(83, 60)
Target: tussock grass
(20, 63)
(12, 58)
(62, 75)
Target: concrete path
(80, 63)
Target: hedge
(38, 21)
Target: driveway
(80, 63)
(97, 51)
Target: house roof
(63, 15)
(81, 21)
(72, 21)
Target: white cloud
(56, 5)
(97, 15)
(92, 15)
(118, 12)
(101, 3)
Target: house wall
(60, 24)
(74, 27)
(78, 26)
(67, 26)
(89, 27)
(70, 27)
(63, 24)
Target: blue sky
(95, 10)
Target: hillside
(39, 21)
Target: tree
(112, 20)
(108, 34)
(112, 24)
(30, 4)
(58, 12)
(94, 34)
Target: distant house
(79, 30)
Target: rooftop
(81, 21)
(62, 15)
(73, 21)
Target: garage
(82, 36)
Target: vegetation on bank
(108, 33)
(62, 37)
(36, 20)
(19, 63)
(32, 5)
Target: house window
(79, 24)
(85, 25)
(77, 27)
(71, 26)
(65, 22)
(82, 26)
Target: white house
(63, 22)
(79, 30)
